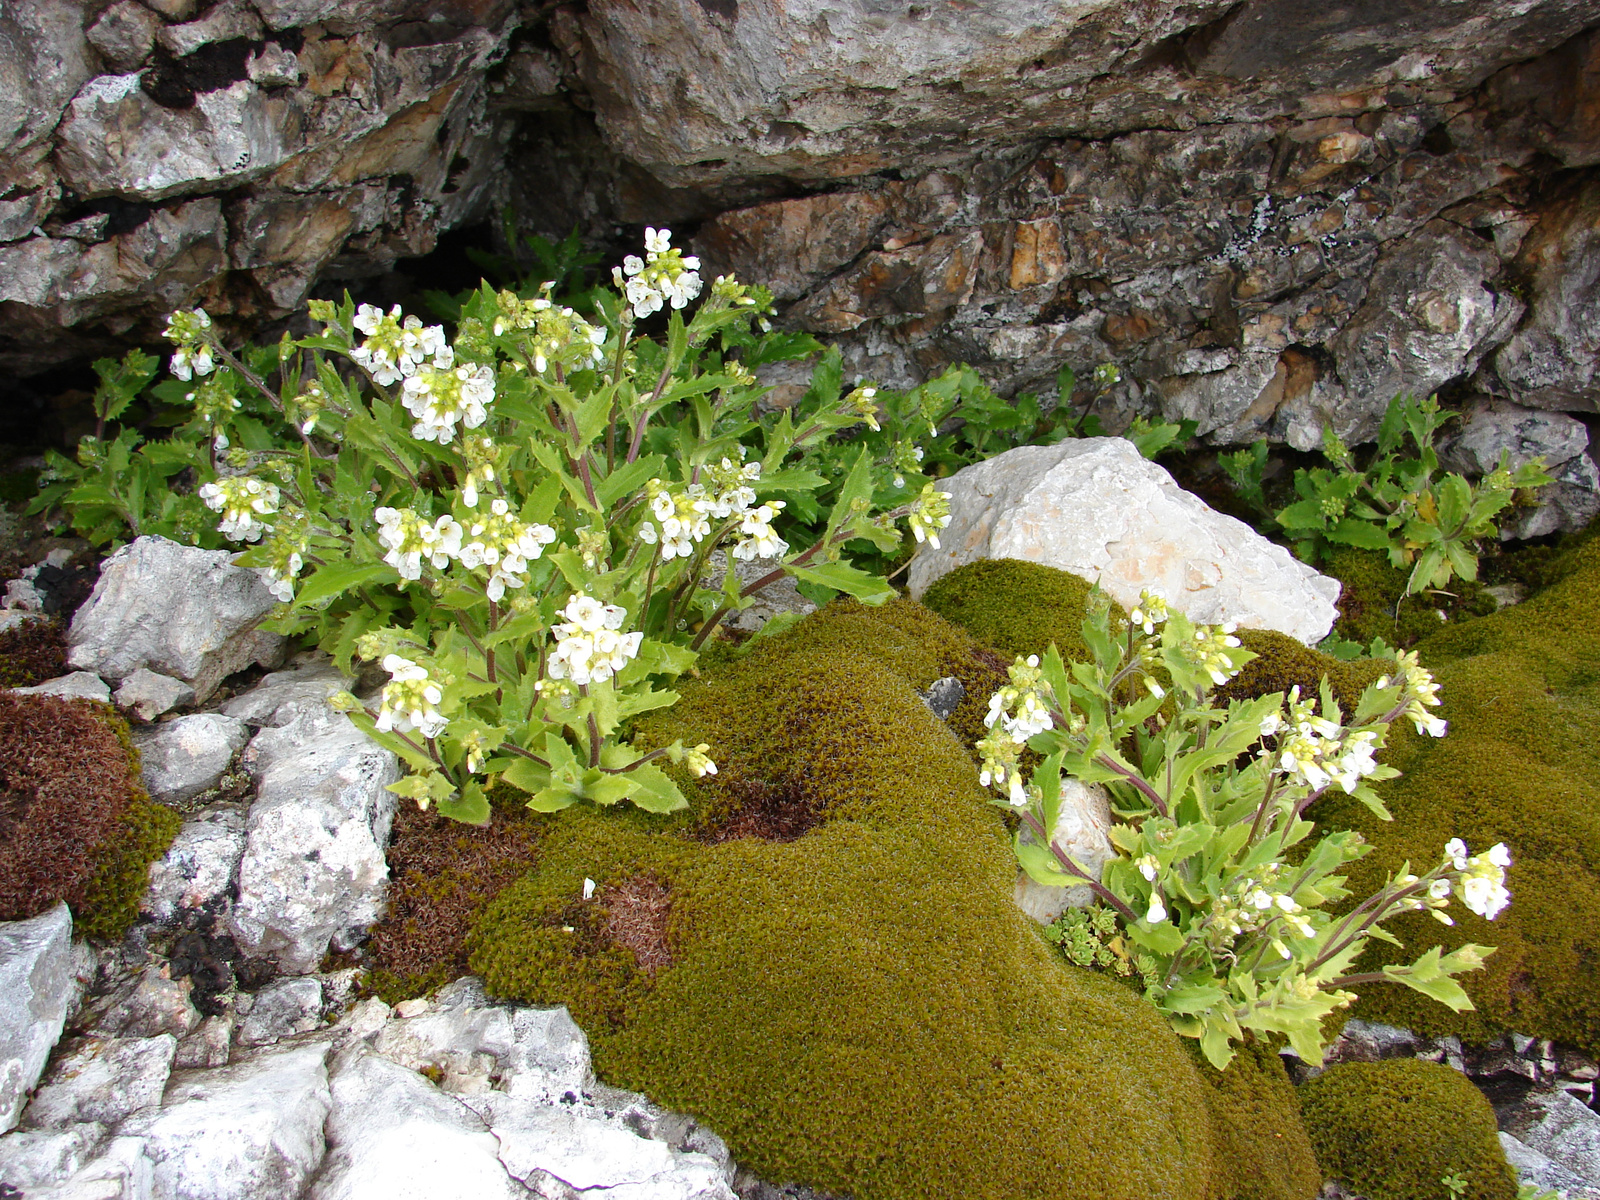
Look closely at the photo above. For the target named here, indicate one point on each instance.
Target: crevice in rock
(174, 82)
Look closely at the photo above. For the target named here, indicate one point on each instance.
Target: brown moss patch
(774, 812)
(80, 827)
(637, 912)
(31, 653)
(441, 875)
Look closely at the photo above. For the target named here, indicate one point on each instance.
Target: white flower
(1158, 910)
(410, 539)
(1148, 866)
(241, 499)
(588, 647)
(1150, 612)
(760, 541)
(410, 700)
(663, 277)
(699, 762)
(506, 545)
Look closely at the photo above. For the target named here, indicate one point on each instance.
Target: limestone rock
(1560, 1127)
(80, 685)
(1082, 830)
(183, 758)
(790, 246)
(283, 1007)
(146, 1006)
(31, 1158)
(313, 870)
(210, 1045)
(103, 1080)
(199, 867)
(122, 1172)
(1546, 1174)
(279, 697)
(240, 1132)
(44, 59)
(392, 1135)
(182, 611)
(149, 694)
(549, 1059)
(461, 1044)
(1490, 427)
(125, 34)
(228, 20)
(38, 984)
(1094, 507)
(779, 597)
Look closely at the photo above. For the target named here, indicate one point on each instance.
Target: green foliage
(1015, 606)
(1522, 695)
(1403, 506)
(1219, 880)
(838, 1006)
(1374, 605)
(1396, 1130)
(531, 263)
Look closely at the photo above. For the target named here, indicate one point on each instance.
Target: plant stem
(1072, 868)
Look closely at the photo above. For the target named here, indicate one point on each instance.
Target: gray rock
(274, 67)
(32, 1158)
(1563, 1129)
(461, 1044)
(125, 35)
(392, 1135)
(123, 1172)
(199, 867)
(1082, 829)
(780, 596)
(80, 685)
(944, 696)
(1094, 507)
(281, 696)
(148, 694)
(38, 984)
(1544, 1173)
(228, 20)
(283, 1007)
(44, 59)
(313, 870)
(549, 1059)
(183, 758)
(210, 1045)
(240, 1132)
(1491, 427)
(146, 1006)
(1370, 1041)
(103, 1080)
(178, 610)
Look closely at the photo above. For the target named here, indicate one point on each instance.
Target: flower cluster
(698, 761)
(286, 548)
(1421, 693)
(506, 545)
(759, 540)
(410, 538)
(1212, 643)
(1252, 904)
(682, 516)
(1017, 712)
(394, 348)
(483, 459)
(663, 276)
(1481, 884)
(906, 456)
(588, 647)
(190, 331)
(560, 336)
(930, 513)
(1150, 612)
(1315, 751)
(410, 699)
(438, 397)
(241, 499)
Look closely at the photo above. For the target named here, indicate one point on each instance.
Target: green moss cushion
(861, 1007)
(1015, 606)
(1521, 765)
(1393, 1130)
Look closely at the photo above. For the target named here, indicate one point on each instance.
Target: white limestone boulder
(104, 1081)
(199, 867)
(38, 984)
(183, 758)
(1096, 508)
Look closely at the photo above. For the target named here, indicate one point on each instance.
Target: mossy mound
(1015, 606)
(1282, 663)
(1394, 1130)
(1521, 765)
(862, 1008)
(31, 653)
(1374, 603)
(75, 821)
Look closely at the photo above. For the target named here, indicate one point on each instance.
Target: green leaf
(1303, 514)
(334, 579)
(470, 806)
(863, 585)
(654, 792)
(1354, 532)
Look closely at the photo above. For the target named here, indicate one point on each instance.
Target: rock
(944, 696)
(173, 10)
(394, 1136)
(460, 1044)
(44, 59)
(1369, 1041)
(274, 67)
(31, 1158)
(199, 867)
(1561, 1128)
(182, 611)
(103, 1080)
(147, 1006)
(38, 984)
(1535, 1169)
(1492, 427)
(283, 1007)
(123, 1172)
(549, 1060)
(313, 870)
(366, 1018)
(1082, 830)
(228, 20)
(778, 597)
(148, 694)
(281, 696)
(1094, 507)
(209, 1045)
(183, 758)
(793, 245)
(240, 1132)
(80, 685)
(125, 34)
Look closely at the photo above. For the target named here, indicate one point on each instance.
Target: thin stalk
(1073, 868)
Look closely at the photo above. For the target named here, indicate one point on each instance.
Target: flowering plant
(518, 523)
(1219, 883)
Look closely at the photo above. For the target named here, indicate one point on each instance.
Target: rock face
(183, 758)
(1083, 830)
(177, 610)
(1094, 507)
(313, 870)
(38, 984)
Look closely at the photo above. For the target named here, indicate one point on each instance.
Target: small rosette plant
(1220, 887)
(518, 522)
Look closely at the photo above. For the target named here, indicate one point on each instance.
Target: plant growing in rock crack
(1220, 883)
(518, 524)
(1424, 520)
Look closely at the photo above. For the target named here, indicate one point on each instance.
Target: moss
(1373, 603)
(862, 1008)
(1521, 690)
(1015, 606)
(31, 653)
(1283, 663)
(1393, 1130)
(1257, 1117)
(75, 821)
